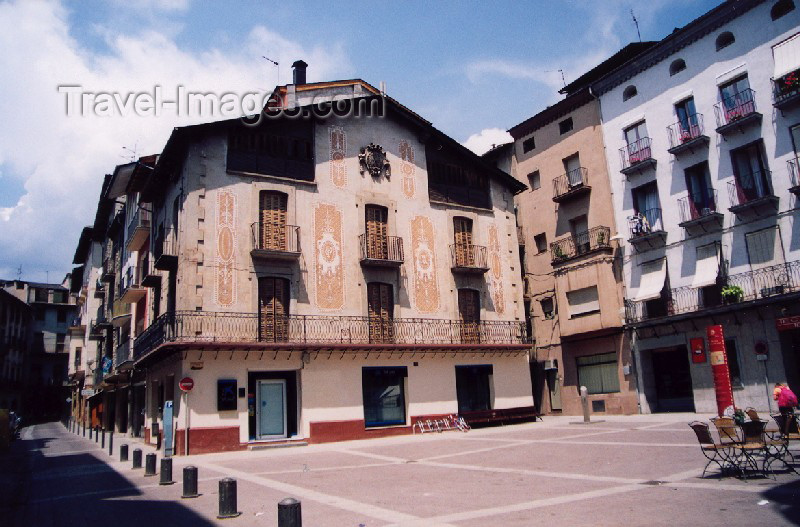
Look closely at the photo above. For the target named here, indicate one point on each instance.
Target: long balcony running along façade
(573, 184)
(381, 251)
(636, 157)
(138, 229)
(468, 259)
(687, 135)
(751, 193)
(274, 241)
(251, 331)
(737, 112)
(700, 211)
(786, 91)
(582, 243)
(647, 229)
(754, 287)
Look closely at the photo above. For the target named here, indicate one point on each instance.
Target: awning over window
(583, 301)
(787, 56)
(706, 268)
(652, 282)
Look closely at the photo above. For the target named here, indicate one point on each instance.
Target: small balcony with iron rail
(687, 136)
(120, 313)
(647, 229)
(636, 157)
(149, 274)
(274, 241)
(700, 212)
(123, 359)
(594, 240)
(380, 251)
(165, 250)
(752, 193)
(138, 229)
(793, 167)
(109, 270)
(786, 91)
(132, 290)
(737, 112)
(571, 185)
(468, 259)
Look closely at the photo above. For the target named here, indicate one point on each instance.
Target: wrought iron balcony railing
(381, 250)
(122, 354)
(275, 239)
(643, 223)
(794, 175)
(138, 228)
(761, 283)
(698, 207)
(786, 90)
(165, 250)
(206, 326)
(581, 243)
(747, 189)
(464, 256)
(685, 132)
(635, 154)
(735, 108)
(570, 183)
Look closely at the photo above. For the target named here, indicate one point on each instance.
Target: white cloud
(483, 141)
(62, 159)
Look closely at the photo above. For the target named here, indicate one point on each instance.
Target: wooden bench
(502, 415)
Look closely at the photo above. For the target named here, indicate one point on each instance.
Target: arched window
(781, 8)
(724, 40)
(677, 66)
(629, 92)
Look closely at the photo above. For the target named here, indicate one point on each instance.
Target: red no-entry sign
(186, 384)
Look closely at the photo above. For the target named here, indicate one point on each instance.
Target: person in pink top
(786, 398)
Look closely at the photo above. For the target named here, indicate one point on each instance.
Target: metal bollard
(103, 441)
(150, 464)
(84, 429)
(289, 513)
(96, 434)
(111, 443)
(123, 452)
(137, 458)
(227, 498)
(189, 482)
(166, 472)
(585, 403)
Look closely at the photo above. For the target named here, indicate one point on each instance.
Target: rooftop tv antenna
(274, 63)
(131, 152)
(563, 80)
(636, 22)
(19, 273)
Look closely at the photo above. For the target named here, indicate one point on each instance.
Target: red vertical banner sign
(719, 368)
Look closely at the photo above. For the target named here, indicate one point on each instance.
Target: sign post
(719, 368)
(186, 384)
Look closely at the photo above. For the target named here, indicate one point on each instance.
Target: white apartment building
(702, 132)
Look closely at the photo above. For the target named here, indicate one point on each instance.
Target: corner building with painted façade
(328, 277)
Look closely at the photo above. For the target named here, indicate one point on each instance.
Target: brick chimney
(299, 75)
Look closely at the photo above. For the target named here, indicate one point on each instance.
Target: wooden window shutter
(377, 242)
(274, 308)
(470, 313)
(465, 252)
(273, 220)
(380, 300)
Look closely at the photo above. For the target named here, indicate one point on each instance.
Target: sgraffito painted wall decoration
(426, 287)
(407, 169)
(496, 272)
(225, 281)
(329, 274)
(338, 141)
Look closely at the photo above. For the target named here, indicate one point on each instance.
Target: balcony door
(750, 170)
(637, 145)
(469, 311)
(380, 300)
(273, 316)
(735, 96)
(701, 197)
(464, 250)
(687, 116)
(376, 231)
(579, 226)
(273, 220)
(572, 166)
(647, 207)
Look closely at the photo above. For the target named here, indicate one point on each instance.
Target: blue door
(271, 409)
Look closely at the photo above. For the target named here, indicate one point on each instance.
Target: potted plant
(732, 294)
(739, 416)
(601, 238)
(558, 252)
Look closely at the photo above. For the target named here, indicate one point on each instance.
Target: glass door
(271, 409)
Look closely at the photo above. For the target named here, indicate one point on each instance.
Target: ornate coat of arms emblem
(373, 161)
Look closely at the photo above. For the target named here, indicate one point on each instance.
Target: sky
(474, 69)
